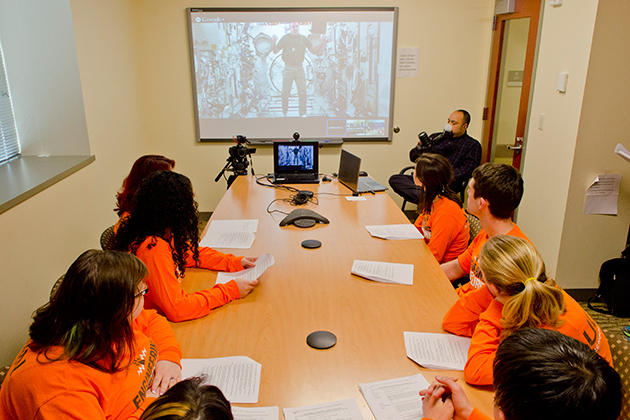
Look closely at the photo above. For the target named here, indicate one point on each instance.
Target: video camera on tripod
(237, 162)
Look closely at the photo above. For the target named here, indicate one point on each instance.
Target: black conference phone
(303, 218)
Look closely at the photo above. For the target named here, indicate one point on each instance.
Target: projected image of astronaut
(293, 46)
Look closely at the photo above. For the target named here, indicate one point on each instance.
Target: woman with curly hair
(442, 220)
(517, 294)
(143, 167)
(163, 231)
(93, 352)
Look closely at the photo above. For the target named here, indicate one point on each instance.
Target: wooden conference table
(312, 289)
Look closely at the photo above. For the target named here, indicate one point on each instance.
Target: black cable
(277, 211)
(272, 185)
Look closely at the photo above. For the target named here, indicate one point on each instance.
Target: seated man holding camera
(454, 143)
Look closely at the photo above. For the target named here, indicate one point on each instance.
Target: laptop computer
(295, 162)
(349, 167)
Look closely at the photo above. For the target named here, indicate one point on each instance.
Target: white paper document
(603, 194)
(622, 151)
(396, 399)
(262, 264)
(394, 232)
(383, 271)
(238, 234)
(238, 377)
(255, 413)
(437, 351)
(408, 62)
(336, 410)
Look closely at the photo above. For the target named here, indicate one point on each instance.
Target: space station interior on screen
(335, 76)
(297, 156)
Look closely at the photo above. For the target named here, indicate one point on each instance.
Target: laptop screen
(296, 157)
(349, 166)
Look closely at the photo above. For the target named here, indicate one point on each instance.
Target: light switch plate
(562, 82)
(555, 2)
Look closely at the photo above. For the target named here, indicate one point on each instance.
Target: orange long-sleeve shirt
(445, 230)
(469, 260)
(165, 292)
(36, 388)
(487, 330)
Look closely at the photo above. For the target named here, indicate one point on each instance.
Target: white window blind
(9, 145)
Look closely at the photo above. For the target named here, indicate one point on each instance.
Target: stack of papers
(395, 399)
(262, 264)
(406, 231)
(384, 272)
(437, 351)
(336, 410)
(255, 413)
(238, 377)
(230, 234)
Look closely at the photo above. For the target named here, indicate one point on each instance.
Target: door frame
(522, 9)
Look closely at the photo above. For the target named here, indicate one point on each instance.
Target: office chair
(474, 226)
(402, 172)
(107, 239)
(56, 286)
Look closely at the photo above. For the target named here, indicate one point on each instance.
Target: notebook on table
(295, 162)
(349, 168)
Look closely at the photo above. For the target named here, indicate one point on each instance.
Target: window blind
(9, 145)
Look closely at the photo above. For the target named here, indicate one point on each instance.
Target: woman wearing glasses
(93, 352)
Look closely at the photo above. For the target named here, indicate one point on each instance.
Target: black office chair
(474, 226)
(55, 287)
(402, 172)
(107, 239)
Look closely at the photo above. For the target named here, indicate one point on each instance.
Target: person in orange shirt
(494, 192)
(163, 231)
(142, 167)
(517, 294)
(93, 352)
(188, 400)
(538, 374)
(442, 220)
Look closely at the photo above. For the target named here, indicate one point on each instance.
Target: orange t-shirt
(486, 330)
(165, 291)
(37, 388)
(469, 260)
(445, 229)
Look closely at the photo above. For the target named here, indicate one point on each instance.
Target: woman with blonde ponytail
(517, 294)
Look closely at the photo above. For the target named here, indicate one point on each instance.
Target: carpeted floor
(606, 322)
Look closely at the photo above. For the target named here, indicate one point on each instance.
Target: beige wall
(44, 234)
(135, 75)
(454, 51)
(597, 238)
(551, 165)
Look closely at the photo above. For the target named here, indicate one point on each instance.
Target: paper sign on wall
(603, 194)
